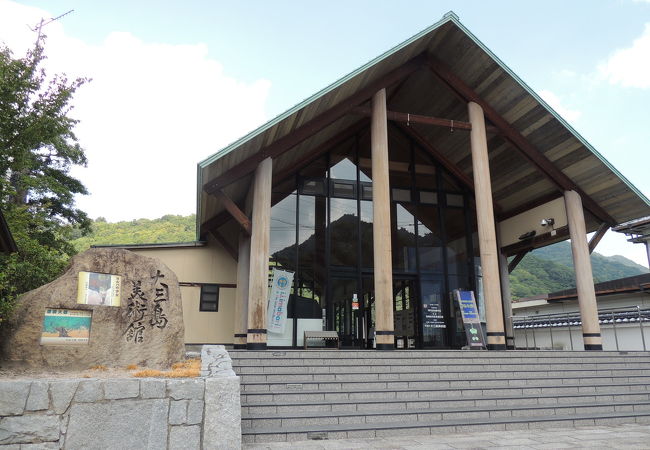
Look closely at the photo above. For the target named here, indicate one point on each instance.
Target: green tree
(37, 150)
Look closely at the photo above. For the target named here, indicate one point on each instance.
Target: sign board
(99, 289)
(66, 326)
(279, 300)
(471, 319)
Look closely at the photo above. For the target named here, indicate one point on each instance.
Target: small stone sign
(136, 319)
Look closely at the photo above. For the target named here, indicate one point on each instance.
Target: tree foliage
(38, 148)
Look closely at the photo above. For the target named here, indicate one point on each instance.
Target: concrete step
(478, 401)
(439, 374)
(379, 429)
(299, 395)
(297, 419)
(280, 368)
(424, 383)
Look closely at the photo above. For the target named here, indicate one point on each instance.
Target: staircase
(327, 394)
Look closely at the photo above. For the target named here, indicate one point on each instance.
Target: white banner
(279, 300)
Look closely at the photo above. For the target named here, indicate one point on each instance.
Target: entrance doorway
(405, 313)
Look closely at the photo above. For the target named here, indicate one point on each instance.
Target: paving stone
(178, 412)
(185, 438)
(13, 397)
(152, 388)
(61, 393)
(40, 446)
(89, 391)
(117, 389)
(29, 428)
(195, 412)
(186, 389)
(39, 398)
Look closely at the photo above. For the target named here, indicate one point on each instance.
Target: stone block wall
(151, 413)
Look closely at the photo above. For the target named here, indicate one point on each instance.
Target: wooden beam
(224, 243)
(416, 118)
(562, 181)
(516, 260)
(383, 275)
(595, 239)
(237, 214)
(436, 154)
(487, 240)
(313, 126)
(583, 273)
(258, 278)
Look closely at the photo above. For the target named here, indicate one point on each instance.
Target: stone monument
(111, 307)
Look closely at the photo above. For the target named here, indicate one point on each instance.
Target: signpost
(471, 319)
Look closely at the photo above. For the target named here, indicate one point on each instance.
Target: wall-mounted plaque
(99, 289)
(66, 326)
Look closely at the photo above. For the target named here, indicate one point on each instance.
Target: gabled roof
(516, 181)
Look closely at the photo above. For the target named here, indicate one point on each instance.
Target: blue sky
(176, 81)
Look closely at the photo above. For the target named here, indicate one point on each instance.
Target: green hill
(168, 228)
(550, 269)
(542, 271)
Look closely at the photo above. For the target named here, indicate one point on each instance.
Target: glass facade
(321, 229)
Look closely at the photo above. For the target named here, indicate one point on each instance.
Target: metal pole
(638, 310)
(568, 321)
(615, 334)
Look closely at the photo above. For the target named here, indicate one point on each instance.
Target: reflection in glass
(343, 232)
(345, 169)
(282, 244)
(457, 258)
(429, 240)
(367, 253)
(403, 237)
(432, 313)
(311, 257)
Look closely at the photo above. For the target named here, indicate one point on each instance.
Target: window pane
(429, 239)
(343, 232)
(401, 195)
(367, 253)
(455, 200)
(283, 234)
(457, 257)
(403, 237)
(346, 190)
(208, 306)
(311, 258)
(430, 198)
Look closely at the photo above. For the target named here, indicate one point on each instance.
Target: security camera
(547, 222)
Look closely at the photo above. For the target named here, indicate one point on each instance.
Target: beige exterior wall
(510, 229)
(209, 264)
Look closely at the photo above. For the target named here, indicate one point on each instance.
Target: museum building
(431, 168)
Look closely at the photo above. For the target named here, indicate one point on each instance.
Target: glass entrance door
(348, 312)
(405, 307)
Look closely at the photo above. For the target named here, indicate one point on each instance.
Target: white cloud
(554, 102)
(152, 111)
(630, 67)
(616, 244)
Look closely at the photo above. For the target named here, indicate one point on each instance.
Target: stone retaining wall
(152, 413)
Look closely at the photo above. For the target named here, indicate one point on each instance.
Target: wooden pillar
(507, 301)
(259, 256)
(584, 277)
(496, 337)
(241, 295)
(384, 325)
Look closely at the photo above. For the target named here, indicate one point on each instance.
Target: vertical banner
(471, 319)
(279, 300)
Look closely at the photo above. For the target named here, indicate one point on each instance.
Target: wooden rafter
(529, 205)
(236, 213)
(224, 243)
(562, 181)
(313, 126)
(516, 260)
(595, 239)
(539, 240)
